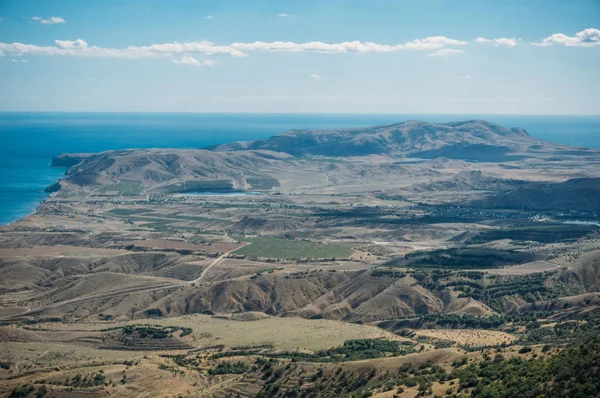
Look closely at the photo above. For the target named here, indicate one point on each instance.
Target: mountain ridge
(398, 139)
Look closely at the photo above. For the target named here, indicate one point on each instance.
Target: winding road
(214, 263)
(128, 290)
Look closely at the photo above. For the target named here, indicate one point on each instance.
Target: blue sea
(30, 140)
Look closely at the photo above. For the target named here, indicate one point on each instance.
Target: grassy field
(124, 187)
(475, 337)
(281, 333)
(290, 249)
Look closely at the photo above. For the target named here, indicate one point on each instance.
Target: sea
(29, 140)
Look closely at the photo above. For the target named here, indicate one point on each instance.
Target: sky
(350, 56)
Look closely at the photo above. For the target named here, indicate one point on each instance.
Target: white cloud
(465, 77)
(283, 14)
(428, 43)
(499, 42)
(445, 51)
(49, 21)
(19, 60)
(209, 17)
(71, 44)
(80, 47)
(586, 38)
(194, 62)
(315, 76)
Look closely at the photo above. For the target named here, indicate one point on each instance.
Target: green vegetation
(387, 273)
(290, 249)
(351, 350)
(378, 216)
(547, 233)
(463, 258)
(463, 321)
(567, 331)
(129, 212)
(496, 291)
(83, 381)
(199, 186)
(574, 372)
(22, 391)
(531, 288)
(154, 312)
(151, 331)
(124, 187)
(229, 368)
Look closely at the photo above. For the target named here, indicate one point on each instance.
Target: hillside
(306, 159)
(471, 140)
(579, 194)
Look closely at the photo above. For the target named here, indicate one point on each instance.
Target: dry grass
(10, 311)
(181, 245)
(52, 251)
(283, 333)
(468, 337)
(524, 269)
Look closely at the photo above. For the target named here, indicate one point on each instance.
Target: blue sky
(370, 56)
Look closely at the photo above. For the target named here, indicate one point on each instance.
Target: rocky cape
(397, 156)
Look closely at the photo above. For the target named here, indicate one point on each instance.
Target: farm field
(182, 245)
(528, 268)
(257, 329)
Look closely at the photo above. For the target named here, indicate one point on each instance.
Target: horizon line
(299, 113)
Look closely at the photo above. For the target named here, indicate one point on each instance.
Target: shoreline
(29, 213)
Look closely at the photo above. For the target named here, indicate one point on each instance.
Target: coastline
(24, 214)
(25, 168)
(28, 208)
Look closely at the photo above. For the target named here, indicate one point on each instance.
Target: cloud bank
(586, 38)
(445, 51)
(436, 46)
(48, 21)
(500, 42)
(81, 48)
(194, 62)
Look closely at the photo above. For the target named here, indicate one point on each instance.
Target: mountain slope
(578, 194)
(412, 138)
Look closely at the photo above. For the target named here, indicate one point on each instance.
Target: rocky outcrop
(69, 160)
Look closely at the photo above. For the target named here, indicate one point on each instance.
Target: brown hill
(471, 140)
(579, 194)
(288, 160)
